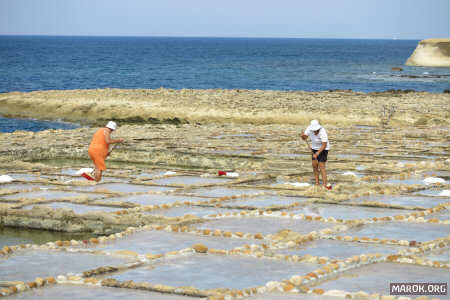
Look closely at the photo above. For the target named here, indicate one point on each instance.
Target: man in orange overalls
(99, 148)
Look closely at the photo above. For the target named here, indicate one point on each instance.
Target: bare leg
(323, 172)
(315, 166)
(98, 174)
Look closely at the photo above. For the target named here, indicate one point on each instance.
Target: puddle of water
(14, 236)
(189, 180)
(224, 191)
(268, 200)
(86, 292)
(159, 242)
(339, 249)
(213, 271)
(29, 264)
(375, 278)
(123, 188)
(414, 201)
(347, 156)
(401, 231)
(153, 199)
(49, 195)
(347, 212)
(77, 208)
(264, 225)
(192, 210)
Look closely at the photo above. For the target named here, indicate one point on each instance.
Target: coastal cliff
(431, 53)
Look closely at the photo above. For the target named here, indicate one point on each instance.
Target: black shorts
(322, 156)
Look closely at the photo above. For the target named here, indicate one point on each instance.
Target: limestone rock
(431, 53)
(200, 248)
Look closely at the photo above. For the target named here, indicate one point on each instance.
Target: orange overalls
(98, 149)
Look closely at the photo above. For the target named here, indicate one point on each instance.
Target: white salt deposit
(169, 173)
(298, 184)
(349, 173)
(6, 178)
(85, 170)
(445, 193)
(433, 180)
(232, 174)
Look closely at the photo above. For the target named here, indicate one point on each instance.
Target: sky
(402, 19)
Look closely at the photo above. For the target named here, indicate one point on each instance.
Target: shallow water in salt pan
(412, 201)
(375, 278)
(443, 215)
(401, 231)
(346, 212)
(159, 242)
(28, 264)
(267, 200)
(50, 195)
(224, 191)
(124, 188)
(442, 255)
(339, 249)
(155, 199)
(188, 180)
(86, 292)
(77, 208)
(292, 296)
(264, 225)
(199, 211)
(213, 271)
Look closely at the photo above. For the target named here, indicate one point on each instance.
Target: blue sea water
(13, 124)
(44, 63)
(30, 63)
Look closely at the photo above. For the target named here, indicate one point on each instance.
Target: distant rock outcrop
(431, 53)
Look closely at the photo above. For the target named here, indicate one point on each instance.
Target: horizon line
(224, 37)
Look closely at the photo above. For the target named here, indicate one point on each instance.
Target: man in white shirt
(319, 148)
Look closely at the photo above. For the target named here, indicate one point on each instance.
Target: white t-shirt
(317, 140)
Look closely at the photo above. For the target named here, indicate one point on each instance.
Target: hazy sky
(403, 19)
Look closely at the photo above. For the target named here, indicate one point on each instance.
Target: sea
(29, 63)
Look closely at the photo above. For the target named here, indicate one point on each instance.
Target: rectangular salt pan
(401, 231)
(86, 292)
(29, 264)
(213, 271)
(375, 278)
(77, 208)
(347, 212)
(189, 180)
(123, 188)
(199, 211)
(160, 242)
(264, 225)
(338, 249)
(50, 195)
(267, 200)
(412, 201)
(224, 191)
(155, 199)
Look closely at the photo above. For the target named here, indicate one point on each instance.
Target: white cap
(111, 125)
(314, 125)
